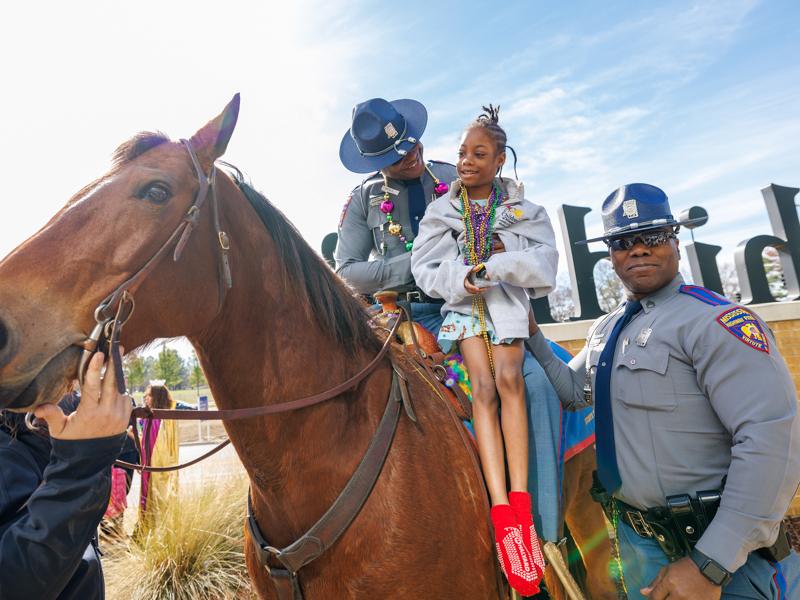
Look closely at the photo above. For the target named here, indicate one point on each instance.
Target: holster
(678, 526)
(692, 517)
(599, 494)
(782, 547)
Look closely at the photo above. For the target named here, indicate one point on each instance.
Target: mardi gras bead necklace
(478, 228)
(387, 206)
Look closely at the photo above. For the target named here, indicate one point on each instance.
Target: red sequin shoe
(523, 575)
(521, 504)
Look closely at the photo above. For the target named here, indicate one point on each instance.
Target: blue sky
(699, 98)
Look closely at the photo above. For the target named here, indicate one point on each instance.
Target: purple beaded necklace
(478, 226)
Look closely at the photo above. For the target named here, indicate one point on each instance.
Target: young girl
(486, 251)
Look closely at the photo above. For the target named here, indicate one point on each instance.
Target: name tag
(392, 191)
(644, 334)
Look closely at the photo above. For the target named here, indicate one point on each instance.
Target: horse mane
(325, 298)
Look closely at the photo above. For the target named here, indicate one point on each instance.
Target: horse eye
(156, 194)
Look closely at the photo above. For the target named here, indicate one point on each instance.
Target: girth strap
(349, 503)
(286, 584)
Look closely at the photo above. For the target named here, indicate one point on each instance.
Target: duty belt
(418, 296)
(678, 526)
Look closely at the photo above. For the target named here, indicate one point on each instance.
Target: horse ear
(212, 139)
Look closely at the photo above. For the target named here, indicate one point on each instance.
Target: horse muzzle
(42, 380)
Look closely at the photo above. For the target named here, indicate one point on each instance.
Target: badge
(393, 191)
(644, 334)
(629, 209)
(344, 210)
(391, 132)
(595, 341)
(741, 323)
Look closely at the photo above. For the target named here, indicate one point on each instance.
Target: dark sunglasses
(649, 239)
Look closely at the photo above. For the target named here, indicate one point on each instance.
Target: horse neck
(264, 349)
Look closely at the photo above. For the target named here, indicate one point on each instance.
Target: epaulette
(705, 295)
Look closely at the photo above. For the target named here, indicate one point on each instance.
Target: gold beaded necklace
(472, 248)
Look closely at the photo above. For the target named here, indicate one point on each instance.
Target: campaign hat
(634, 208)
(381, 133)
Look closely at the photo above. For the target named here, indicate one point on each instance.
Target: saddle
(421, 346)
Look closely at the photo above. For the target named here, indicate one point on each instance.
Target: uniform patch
(344, 210)
(705, 295)
(741, 323)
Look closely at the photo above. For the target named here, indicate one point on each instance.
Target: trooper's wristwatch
(710, 569)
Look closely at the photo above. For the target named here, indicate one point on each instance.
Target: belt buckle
(638, 522)
(410, 296)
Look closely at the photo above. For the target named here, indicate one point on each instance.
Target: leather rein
(116, 309)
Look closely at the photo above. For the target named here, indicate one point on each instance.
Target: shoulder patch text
(741, 323)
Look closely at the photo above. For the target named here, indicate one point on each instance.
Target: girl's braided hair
(488, 121)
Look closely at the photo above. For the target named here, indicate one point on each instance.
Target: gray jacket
(363, 227)
(527, 269)
(692, 404)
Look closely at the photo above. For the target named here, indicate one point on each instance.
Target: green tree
(134, 368)
(168, 367)
(196, 376)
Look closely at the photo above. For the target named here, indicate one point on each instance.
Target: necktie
(604, 421)
(416, 203)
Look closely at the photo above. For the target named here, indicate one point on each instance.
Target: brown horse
(586, 523)
(287, 328)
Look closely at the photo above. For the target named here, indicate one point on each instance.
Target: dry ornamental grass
(195, 553)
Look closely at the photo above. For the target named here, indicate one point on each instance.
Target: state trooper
(375, 238)
(697, 429)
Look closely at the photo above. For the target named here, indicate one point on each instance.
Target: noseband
(115, 310)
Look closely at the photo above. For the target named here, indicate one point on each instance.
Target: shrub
(195, 553)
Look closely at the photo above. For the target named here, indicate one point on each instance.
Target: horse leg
(586, 522)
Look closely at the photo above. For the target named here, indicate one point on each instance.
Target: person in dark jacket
(53, 494)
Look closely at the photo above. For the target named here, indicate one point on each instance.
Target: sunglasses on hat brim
(649, 239)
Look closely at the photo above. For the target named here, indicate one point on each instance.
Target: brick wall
(782, 317)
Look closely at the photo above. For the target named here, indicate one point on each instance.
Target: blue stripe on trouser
(642, 558)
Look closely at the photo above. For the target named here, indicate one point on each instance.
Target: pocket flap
(650, 359)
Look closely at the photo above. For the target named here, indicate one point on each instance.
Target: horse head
(53, 283)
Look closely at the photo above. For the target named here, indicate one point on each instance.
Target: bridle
(116, 309)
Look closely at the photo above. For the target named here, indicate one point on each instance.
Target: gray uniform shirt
(363, 227)
(693, 404)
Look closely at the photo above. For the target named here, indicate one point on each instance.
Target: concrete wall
(782, 317)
